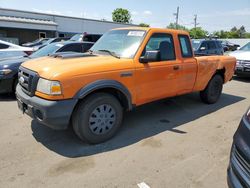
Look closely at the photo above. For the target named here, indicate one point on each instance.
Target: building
(21, 26)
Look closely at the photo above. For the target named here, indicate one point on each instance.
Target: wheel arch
(113, 87)
(221, 72)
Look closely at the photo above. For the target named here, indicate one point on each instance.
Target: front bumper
(6, 85)
(242, 70)
(54, 114)
(238, 174)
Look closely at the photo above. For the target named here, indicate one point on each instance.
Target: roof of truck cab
(156, 29)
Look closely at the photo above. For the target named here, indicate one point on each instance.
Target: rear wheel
(213, 91)
(97, 118)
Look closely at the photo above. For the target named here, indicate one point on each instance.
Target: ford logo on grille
(21, 80)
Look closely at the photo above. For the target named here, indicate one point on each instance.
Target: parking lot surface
(177, 142)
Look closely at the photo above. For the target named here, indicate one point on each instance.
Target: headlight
(49, 87)
(5, 71)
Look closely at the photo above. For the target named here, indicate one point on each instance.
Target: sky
(212, 15)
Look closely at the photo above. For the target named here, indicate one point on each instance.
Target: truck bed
(207, 65)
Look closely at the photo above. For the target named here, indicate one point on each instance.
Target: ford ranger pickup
(126, 68)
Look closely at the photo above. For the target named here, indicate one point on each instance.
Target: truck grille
(244, 63)
(28, 80)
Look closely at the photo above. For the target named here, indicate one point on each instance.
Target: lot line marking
(143, 185)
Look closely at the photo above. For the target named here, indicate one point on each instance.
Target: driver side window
(162, 44)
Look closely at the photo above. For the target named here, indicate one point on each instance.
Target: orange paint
(151, 81)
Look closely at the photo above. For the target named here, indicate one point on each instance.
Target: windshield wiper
(111, 53)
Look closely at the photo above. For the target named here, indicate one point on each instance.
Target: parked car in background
(8, 50)
(205, 47)
(243, 60)
(225, 47)
(86, 37)
(52, 40)
(9, 68)
(239, 165)
(229, 45)
(36, 42)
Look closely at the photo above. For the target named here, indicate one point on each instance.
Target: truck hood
(54, 67)
(241, 55)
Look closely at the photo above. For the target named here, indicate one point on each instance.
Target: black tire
(213, 91)
(86, 116)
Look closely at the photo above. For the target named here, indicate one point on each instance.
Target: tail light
(28, 52)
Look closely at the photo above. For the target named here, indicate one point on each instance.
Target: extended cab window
(163, 44)
(186, 49)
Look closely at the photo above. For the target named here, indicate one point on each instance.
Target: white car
(9, 50)
(243, 60)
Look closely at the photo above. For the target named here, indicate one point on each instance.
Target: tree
(198, 33)
(242, 32)
(144, 25)
(180, 27)
(234, 29)
(121, 15)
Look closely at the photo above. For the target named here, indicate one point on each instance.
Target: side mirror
(203, 48)
(150, 56)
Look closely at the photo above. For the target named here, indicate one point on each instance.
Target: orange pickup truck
(126, 68)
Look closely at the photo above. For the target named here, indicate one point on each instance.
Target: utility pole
(177, 17)
(195, 21)
(195, 24)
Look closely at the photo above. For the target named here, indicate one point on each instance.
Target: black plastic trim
(103, 84)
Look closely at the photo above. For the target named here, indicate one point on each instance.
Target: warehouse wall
(67, 24)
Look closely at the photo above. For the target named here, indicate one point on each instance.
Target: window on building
(42, 34)
(62, 35)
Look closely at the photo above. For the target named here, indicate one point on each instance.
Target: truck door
(157, 79)
(188, 66)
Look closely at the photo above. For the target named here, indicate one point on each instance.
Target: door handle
(176, 67)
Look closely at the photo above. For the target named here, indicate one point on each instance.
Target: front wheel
(213, 91)
(97, 118)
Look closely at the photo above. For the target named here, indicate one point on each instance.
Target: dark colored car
(86, 37)
(36, 42)
(207, 47)
(229, 45)
(239, 166)
(6, 55)
(9, 68)
(52, 40)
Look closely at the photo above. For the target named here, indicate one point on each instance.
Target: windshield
(246, 47)
(47, 50)
(122, 43)
(77, 37)
(196, 44)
